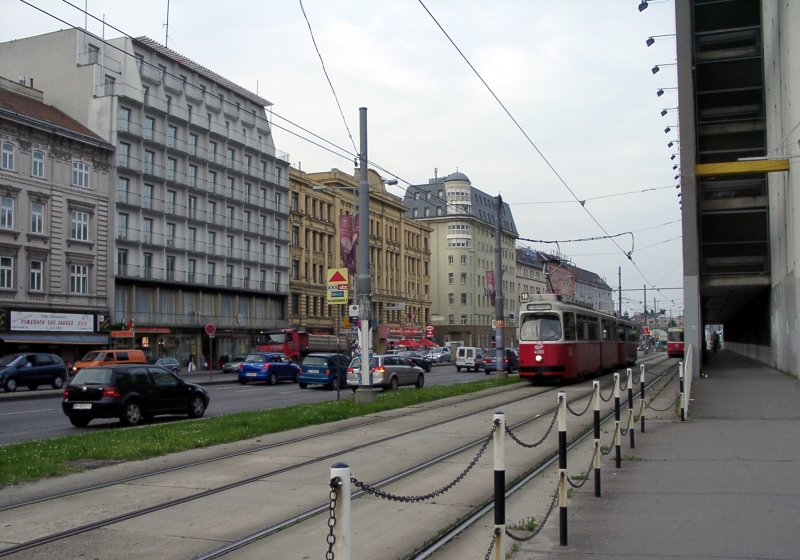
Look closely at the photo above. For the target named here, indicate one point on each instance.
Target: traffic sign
(338, 286)
(429, 330)
(497, 323)
(210, 329)
(646, 331)
(352, 312)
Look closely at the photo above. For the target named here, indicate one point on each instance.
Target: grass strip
(33, 460)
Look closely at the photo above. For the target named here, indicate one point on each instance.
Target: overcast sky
(575, 74)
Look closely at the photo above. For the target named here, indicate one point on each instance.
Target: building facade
(55, 278)
(201, 195)
(462, 220)
(400, 257)
(592, 290)
(530, 272)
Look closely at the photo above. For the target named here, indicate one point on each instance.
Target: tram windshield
(541, 327)
(675, 336)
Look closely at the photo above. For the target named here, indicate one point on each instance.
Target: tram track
(264, 475)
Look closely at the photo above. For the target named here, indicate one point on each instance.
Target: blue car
(267, 366)
(320, 369)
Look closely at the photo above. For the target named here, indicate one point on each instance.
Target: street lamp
(655, 69)
(652, 38)
(660, 91)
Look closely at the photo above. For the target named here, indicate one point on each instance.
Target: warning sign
(338, 286)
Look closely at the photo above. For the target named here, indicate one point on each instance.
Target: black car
(417, 358)
(32, 370)
(133, 393)
(511, 362)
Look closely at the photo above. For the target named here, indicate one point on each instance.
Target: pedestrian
(715, 342)
(190, 362)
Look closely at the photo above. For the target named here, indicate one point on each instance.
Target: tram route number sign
(524, 296)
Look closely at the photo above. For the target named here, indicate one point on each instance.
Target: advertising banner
(492, 289)
(348, 241)
(62, 322)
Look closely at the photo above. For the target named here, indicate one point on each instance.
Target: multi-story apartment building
(55, 278)
(530, 272)
(463, 239)
(400, 256)
(201, 198)
(591, 289)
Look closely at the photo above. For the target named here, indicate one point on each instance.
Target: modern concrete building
(463, 239)
(201, 194)
(55, 228)
(739, 102)
(400, 256)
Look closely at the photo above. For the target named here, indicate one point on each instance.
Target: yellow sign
(338, 286)
(497, 323)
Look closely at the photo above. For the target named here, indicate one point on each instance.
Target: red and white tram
(568, 340)
(675, 342)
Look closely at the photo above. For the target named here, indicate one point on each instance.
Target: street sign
(121, 334)
(429, 330)
(352, 312)
(646, 331)
(210, 329)
(497, 323)
(338, 286)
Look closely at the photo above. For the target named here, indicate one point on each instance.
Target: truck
(295, 344)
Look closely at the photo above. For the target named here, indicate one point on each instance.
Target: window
(191, 271)
(78, 279)
(463, 319)
(262, 280)
(211, 271)
(263, 198)
(231, 157)
(192, 144)
(147, 230)
(6, 213)
(451, 298)
(463, 299)
(463, 259)
(262, 224)
(229, 246)
(229, 216)
(122, 262)
(191, 239)
(212, 150)
(147, 266)
(172, 163)
(295, 270)
(212, 242)
(449, 277)
(246, 192)
(263, 173)
(277, 281)
(37, 217)
(192, 208)
(463, 277)
(149, 158)
(278, 175)
(149, 127)
(170, 234)
(147, 196)
(451, 320)
(230, 187)
(212, 181)
(192, 177)
(247, 249)
(8, 156)
(296, 236)
(171, 269)
(169, 103)
(229, 275)
(172, 197)
(246, 279)
(246, 225)
(277, 230)
(248, 162)
(172, 134)
(79, 226)
(80, 174)
(37, 168)
(123, 189)
(450, 259)
(278, 256)
(122, 226)
(37, 268)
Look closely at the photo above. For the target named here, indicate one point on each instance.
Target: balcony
(193, 93)
(129, 127)
(235, 136)
(179, 113)
(150, 73)
(283, 156)
(152, 170)
(173, 84)
(127, 234)
(155, 103)
(127, 163)
(230, 110)
(247, 119)
(252, 141)
(218, 129)
(198, 121)
(212, 103)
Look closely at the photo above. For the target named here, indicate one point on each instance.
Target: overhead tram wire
(585, 200)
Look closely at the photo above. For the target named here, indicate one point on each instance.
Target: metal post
(500, 485)
(562, 467)
(499, 307)
(616, 421)
(596, 390)
(641, 397)
(619, 273)
(342, 547)
(630, 407)
(365, 392)
(338, 346)
(683, 395)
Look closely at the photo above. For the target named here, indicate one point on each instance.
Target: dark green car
(32, 370)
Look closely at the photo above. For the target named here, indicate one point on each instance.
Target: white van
(469, 357)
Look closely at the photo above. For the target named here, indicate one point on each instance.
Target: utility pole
(619, 273)
(365, 392)
(499, 312)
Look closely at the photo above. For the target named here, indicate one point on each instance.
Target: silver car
(388, 372)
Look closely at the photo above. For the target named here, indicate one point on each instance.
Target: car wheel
(79, 421)
(243, 381)
(58, 382)
(458, 368)
(355, 389)
(131, 414)
(295, 377)
(272, 379)
(10, 385)
(420, 381)
(428, 369)
(32, 387)
(335, 384)
(302, 385)
(393, 384)
(176, 370)
(197, 406)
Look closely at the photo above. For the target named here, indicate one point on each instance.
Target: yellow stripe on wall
(741, 167)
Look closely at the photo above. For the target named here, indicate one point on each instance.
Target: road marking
(27, 411)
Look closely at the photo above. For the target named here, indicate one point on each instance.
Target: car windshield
(10, 360)
(490, 354)
(92, 356)
(356, 363)
(540, 327)
(93, 376)
(256, 358)
(238, 359)
(315, 361)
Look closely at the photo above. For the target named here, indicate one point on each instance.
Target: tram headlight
(538, 357)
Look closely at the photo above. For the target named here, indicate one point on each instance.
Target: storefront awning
(53, 338)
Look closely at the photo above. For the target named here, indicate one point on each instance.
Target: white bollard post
(596, 389)
(342, 545)
(630, 408)
(683, 394)
(500, 486)
(562, 468)
(616, 422)
(641, 397)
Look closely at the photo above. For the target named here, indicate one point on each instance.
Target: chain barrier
(664, 410)
(585, 475)
(538, 530)
(611, 394)
(336, 482)
(625, 388)
(538, 443)
(411, 499)
(495, 536)
(588, 404)
(610, 446)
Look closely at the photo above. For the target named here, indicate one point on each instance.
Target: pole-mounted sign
(338, 286)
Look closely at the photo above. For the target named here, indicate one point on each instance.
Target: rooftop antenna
(86, 15)
(435, 172)
(166, 25)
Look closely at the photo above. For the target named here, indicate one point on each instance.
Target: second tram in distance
(562, 339)
(675, 342)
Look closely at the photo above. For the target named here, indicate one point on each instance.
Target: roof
(456, 177)
(530, 257)
(587, 277)
(202, 70)
(45, 114)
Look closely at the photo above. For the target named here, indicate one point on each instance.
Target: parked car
(233, 365)
(325, 369)
(388, 372)
(134, 394)
(268, 366)
(439, 354)
(109, 358)
(32, 370)
(469, 357)
(490, 361)
(169, 363)
(417, 358)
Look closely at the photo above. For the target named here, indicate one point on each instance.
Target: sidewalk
(723, 485)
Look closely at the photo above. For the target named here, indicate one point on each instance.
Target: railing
(150, 73)
(173, 84)
(212, 103)
(198, 120)
(178, 112)
(218, 129)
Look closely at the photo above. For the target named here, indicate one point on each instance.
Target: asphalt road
(22, 420)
